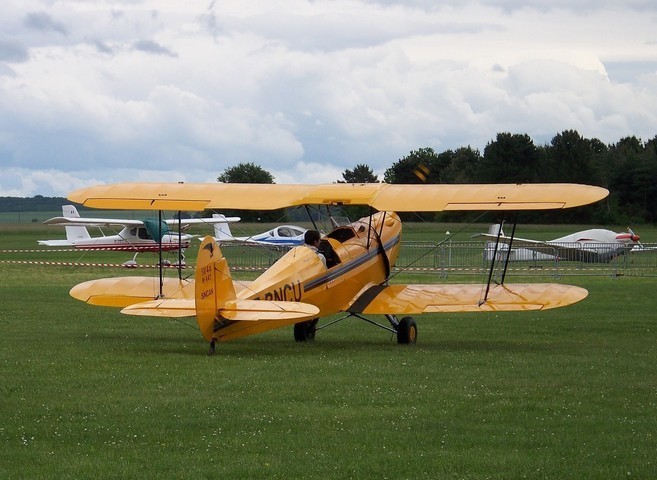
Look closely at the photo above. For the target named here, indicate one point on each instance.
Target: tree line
(628, 169)
(38, 203)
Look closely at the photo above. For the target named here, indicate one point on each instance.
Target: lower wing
(124, 291)
(418, 298)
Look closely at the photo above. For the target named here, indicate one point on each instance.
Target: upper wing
(92, 222)
(416, 298)
(381, 196)
(202, 221)
(101, 222)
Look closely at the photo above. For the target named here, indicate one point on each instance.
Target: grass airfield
(88, 392)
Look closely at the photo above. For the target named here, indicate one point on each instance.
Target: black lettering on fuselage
(289, 292)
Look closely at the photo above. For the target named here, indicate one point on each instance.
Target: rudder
(222, 230)
(213, 286)
(74, 232)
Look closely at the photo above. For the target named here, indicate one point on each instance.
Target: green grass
(87, 392)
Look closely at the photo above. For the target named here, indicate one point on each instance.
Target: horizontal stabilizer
(55, 243)
(253, 310)
(446, 298)
(238, 310)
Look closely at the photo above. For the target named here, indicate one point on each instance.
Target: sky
(101, 91)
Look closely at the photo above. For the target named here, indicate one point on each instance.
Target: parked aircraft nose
(630, 236)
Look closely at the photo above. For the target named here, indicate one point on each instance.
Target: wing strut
(180, 255)
(310, 216)
(506, 259)
(159, 243)
(379, 246)
(508, 251)
(369, 229)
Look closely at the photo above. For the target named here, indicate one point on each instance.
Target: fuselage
(599, 235)
(594, 245)
(365, 252)
(134, 239)
(286, 235)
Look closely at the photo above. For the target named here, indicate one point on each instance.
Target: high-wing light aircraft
(298, 289)
(283, 235)
(135, 235)
(595, 245)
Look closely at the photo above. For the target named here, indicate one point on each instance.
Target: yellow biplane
(299, 288)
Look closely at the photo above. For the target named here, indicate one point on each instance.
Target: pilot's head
(311, 237)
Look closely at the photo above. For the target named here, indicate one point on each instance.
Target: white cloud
(306, 89)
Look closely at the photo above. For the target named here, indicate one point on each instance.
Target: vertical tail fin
(74, 232)
(221, 229)
(495, 228)
(214, 286)
(490, 248)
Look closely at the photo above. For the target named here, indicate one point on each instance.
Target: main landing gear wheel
(407, 331)
(305, 331)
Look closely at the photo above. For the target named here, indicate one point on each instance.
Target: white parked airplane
(595, 245)
(283, 235)
(135, 235)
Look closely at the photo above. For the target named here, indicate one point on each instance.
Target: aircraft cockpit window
(285, 232)
(143, 234)
(133, 231)
(342, 234)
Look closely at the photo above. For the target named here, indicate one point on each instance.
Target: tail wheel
(305, 331)
(407, 331)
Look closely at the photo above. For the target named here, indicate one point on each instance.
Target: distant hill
(37, 203)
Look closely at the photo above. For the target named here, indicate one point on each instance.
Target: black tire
(305, 331)
(407, 331)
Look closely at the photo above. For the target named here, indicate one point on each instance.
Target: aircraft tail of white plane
(221, 229)
(74, 232)
(495, 228)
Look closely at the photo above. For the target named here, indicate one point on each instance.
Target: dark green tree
(246, 173)
(510, 158)
(360, 174)
(570, 159)
(416, 167)
(462, 167)
(250, 173)
(632, 174)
